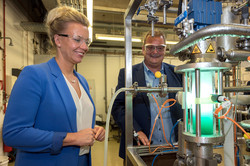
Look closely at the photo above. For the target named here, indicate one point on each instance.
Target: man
(144, 107)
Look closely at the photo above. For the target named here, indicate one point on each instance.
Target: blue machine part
(180, 18)
(204, 13)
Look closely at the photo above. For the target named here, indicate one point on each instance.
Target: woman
(50, 118)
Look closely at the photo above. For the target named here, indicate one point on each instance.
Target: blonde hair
(157, 33)
(58, 17)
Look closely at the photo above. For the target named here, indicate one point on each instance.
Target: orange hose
(235, 124)
(224, 116)
(159, 113)
(239, 127)
(235, 140)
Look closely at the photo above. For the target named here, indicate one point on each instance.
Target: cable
(170, 138)
(159, 113)
(172, 150)
(225, 117)
(238, 157)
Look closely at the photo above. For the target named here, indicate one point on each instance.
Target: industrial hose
(108, 120)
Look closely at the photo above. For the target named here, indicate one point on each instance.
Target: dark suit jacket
(141, 108)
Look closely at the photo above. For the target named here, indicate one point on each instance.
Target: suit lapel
(139, 76)
(64, 93)
(170, 78)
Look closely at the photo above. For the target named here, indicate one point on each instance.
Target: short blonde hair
(157, 33)
(58, 17)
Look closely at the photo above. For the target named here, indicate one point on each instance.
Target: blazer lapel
(139, 76)
(64, 93)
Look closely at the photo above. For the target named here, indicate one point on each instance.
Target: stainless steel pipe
(211, 31)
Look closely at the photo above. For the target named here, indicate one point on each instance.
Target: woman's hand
(100, 133)
(85, 137)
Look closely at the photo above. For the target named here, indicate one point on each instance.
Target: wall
(17, 56)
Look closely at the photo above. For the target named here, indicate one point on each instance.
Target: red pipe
(4, 60)
(5, 148)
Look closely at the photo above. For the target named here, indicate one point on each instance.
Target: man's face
(154, 51)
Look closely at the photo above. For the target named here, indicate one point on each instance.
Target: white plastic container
(4, 160)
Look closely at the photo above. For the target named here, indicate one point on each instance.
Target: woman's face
(73, 42)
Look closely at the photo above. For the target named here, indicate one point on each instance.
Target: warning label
(210, 49)
(196, 50)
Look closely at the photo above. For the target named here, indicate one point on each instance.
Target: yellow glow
(114, 37)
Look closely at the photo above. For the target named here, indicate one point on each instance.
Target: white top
(84, 111)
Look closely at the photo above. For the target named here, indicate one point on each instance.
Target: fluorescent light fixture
(171, 42)
(114, 37)
(90, 18)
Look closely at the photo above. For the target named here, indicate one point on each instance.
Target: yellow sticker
(196, 50)
(210, 49)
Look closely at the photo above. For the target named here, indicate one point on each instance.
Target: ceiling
(108, 18)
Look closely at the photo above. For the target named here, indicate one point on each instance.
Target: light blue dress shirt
(158, 136)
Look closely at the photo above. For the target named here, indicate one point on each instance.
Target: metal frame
(133, 5)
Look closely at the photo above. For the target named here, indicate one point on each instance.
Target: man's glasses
(151, 48)
(77, 39)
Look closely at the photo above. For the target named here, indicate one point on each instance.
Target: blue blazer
(40, 112)
(141, 108)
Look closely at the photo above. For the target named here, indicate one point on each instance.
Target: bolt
(218, 158)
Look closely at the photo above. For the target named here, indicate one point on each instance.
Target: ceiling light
(171, 42)
(90, 18)
(114, 37)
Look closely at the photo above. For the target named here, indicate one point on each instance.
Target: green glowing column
(207, 87)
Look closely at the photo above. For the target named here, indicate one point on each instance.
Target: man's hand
(143, 138)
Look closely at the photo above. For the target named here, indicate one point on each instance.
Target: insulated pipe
(211, 31)
(152, 27)
(197, 96)
(237, 55)
(220, 92)
(237, 89)
(177, 89)
(164, 14)
(184, 79)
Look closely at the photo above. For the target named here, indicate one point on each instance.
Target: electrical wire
(238, 157)
(172, 150)
(159, 113)
(170, 138)
(225, 117)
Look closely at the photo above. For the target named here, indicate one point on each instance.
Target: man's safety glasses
(151, 48)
